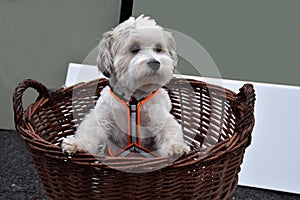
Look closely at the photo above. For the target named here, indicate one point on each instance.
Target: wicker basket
(216, 122)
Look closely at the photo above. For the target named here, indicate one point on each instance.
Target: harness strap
(134, 115)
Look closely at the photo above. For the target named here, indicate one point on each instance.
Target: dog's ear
(172, 48)
(105, 57)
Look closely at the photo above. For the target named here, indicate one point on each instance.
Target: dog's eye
(135, 49)
(158, 49)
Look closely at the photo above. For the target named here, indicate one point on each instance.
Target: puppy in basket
(132, 115)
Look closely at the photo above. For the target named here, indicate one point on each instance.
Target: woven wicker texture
(217, 124)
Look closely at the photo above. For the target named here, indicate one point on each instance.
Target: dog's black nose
(154, 64)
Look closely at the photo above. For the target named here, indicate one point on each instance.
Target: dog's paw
(177, 150)
(70, 145)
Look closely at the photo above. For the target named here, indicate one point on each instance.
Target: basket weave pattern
(217, 124)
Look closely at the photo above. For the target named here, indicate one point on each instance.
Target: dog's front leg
(171, 142)
(89, 136)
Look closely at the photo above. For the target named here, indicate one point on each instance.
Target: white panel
(81, 73)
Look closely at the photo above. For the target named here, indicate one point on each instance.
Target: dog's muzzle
(154, 65)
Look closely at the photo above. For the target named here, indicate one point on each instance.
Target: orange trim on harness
(137, 146)
(128, 114)
(139, 114)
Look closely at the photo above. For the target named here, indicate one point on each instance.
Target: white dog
(133, 113)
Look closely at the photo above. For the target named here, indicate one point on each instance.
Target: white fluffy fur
(130, 73)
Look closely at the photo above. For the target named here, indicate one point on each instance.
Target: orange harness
(134, 132)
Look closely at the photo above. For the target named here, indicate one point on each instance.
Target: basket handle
(18, 95)
(243, 107)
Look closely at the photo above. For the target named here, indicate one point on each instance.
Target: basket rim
(36, 142)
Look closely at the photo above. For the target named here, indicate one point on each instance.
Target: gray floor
(18, 180)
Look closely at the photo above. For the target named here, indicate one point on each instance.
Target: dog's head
(137, 55)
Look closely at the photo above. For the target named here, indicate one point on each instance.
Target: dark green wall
(38, 38)
(255, 40)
